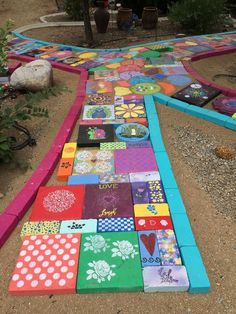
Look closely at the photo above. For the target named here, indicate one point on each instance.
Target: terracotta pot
(101, 17)
(149, 17)
(124, 18)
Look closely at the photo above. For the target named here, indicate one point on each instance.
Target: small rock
(225, 152)
(34, 76)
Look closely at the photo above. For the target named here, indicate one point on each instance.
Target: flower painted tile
(156, 192)
(165, 279)
(108, 201)
(144, 176)
(40, 227)
(135, 160)
(131, 110)
(98, 87)
(93, 161)
(109, 262)
(108, 75)
(151, 210)
(93, 135)
(47, 264)
(58, 203)
(153, 223)
(98, 112)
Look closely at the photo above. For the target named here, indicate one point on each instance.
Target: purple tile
(156, 192)
(140, 193)
(108, 201)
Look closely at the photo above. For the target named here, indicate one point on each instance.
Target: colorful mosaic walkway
(120, 223)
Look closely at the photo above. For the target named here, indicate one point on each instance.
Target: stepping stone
(78, 226)
(165, 279)
(144, 176)
(31, 228)
(98, 87)
(108, 201)
(135, 160)
(47, 264)
(98, 112)
(114, 178)
(116, 224)
(83, 179)
(108, 75)
(151, 210)
(148, 192)
(140, 193)
(153, 223)
(69, 150)
(109, 262)
(93, 161)
(93, 135)
(65, 169)
(99, 99)
(58, 203)
(149, 251)
(197, 94)
(113, 145)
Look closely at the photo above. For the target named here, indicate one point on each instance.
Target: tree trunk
(87, 23)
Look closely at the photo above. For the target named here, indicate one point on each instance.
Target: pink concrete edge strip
(24, 199)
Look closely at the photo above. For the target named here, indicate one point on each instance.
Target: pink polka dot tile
(47, 264)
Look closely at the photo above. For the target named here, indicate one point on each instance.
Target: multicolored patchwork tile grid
(117, 234)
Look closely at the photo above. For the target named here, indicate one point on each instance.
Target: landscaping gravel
(215, 175)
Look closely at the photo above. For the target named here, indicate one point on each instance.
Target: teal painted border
(198, 112)
(197, 274)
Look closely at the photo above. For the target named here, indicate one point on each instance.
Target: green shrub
(74, 8)
(198, 16)
(4, 31)
(24, 109)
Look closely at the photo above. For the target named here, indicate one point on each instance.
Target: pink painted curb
(7, 225)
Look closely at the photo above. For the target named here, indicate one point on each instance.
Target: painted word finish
(108, 213)
(108, 186)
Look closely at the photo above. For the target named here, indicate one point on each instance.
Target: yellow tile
(151, 210)
(69, 150)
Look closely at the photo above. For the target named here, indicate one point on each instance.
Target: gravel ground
(215, 175)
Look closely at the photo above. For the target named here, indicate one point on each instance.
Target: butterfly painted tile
(93, 161)
(108, 201)
(47, 264)
(93, 135)
(98, 112)
(149, 251)
(151, 210)
(40, 227)
(197, 94)
(58, 203)
(135, 160)
(98, 87)
(116, 224)
(78, 226)
(165, 279)
(109, 262)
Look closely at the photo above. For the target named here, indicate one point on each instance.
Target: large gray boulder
(34, 76)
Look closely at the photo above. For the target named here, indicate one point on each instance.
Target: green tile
(109, 263)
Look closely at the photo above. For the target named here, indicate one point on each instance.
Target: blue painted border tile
(175, 201)
(183, 230)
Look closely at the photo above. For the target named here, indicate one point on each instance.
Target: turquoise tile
(197, 274)
(177, 104)
(78, 226)
(183, 230)
(167, 176)
(149, 104)
(161, 98)
(230, 123)
(162, 158)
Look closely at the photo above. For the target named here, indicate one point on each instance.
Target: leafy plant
(4, 32)
(198, 16)
(24, 109)
(74, 8)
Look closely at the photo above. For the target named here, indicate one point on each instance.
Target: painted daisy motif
(100, 271)
(96, 244)
(127, 111)
(124, 249)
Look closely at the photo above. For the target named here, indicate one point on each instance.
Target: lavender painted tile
(140, 193)
(144, 144)
(144, 176)
(165, 279)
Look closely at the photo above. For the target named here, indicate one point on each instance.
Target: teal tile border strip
(197, 274)
(197, 112)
